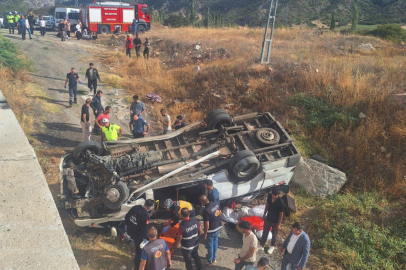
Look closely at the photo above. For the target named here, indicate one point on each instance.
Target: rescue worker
(212, 227)
(17, 18)
(136, 225)
(10, 20)
(110, 131)
(175, 208)
(188, 236)
(156, 254)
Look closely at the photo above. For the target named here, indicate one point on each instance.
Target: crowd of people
(139, 127)
(136, 44)
(153, 253)
(25, 23)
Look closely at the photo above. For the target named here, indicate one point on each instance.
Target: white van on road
(72, 14)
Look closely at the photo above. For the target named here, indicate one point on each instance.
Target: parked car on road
(244, 156)
(50, 22)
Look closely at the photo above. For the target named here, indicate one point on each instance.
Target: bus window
(60, 15)
(73, 16)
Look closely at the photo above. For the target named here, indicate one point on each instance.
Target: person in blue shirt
(23, 26)
(137, 124)
(179, 123)
(262, 264)
(213, 193)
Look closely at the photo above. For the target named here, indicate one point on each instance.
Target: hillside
(254, 12)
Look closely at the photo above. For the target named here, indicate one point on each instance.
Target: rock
(196, 69)
(367, 47)
(362, 115)
(123, 267)
(319, 158)
(317, 70)
(383, 149)
(349, 149)
(317, 178)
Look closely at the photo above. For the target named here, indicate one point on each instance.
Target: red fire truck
(106, 17)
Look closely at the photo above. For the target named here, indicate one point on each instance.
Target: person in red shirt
(104, 115)
(128, 46)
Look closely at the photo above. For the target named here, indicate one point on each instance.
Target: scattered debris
(196, 69)
(349, 149)
(367, 47)
(362, 115)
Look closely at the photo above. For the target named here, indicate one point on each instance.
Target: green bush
(318, 113)
(9, 56)
(391, 32)
(355, 233)
(176, 21)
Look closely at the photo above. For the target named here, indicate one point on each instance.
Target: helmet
(9, 13)
(105, 120)
(168, 203)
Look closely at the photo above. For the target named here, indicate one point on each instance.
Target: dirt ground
(61, 131)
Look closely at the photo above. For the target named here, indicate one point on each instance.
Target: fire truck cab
(107, 17)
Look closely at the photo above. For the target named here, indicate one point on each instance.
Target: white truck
(62, 13)
(243, 155)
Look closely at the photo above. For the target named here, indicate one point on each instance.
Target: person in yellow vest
(10, 21)
(110, 131)
(175, 208)
(17, 18)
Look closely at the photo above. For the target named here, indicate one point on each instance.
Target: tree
(207, 19)
(333, 21)
(355, 19)
(192, 12)
(392, 32)
(175, 20)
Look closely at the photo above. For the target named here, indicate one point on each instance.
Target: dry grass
(329, 67)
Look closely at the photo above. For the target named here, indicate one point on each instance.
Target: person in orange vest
(128, 46)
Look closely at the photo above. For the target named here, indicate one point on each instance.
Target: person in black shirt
(61, 29)
(179, 123)
(137, 45)
(136, 225)
(212, 227)
(84, 121)
(273, 216)
(92, 76)
(188, 236)
(147, 44)
(30, 18)
(73, 79)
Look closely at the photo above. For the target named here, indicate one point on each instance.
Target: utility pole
(76, 3)
(268, 36)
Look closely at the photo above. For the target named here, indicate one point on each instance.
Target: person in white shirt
(42, 25)
(297, 249)
(248, 251)
(166, 121)
(27, 25)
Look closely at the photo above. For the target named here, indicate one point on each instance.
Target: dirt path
(52, 60)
